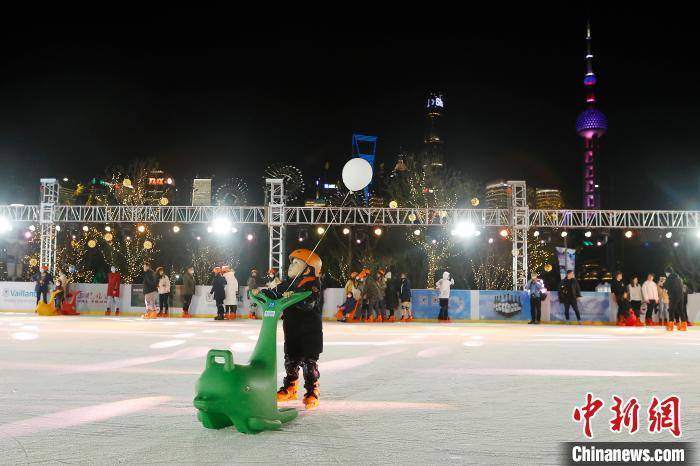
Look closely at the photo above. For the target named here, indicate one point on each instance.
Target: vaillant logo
(10, 293)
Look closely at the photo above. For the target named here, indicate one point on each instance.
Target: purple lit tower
(591, 125)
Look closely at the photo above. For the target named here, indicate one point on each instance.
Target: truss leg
(275, 223)
(47, 228)
(520, 223)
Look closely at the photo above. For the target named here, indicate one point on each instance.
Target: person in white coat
(163, 292)
(650, 295)
(443, 286)
(231, 300)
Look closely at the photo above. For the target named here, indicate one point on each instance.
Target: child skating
(302, 325)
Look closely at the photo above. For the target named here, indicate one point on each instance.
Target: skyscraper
(591, 125)
(433, 143)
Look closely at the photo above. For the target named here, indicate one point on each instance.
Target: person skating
(42, 281)
(381, 303)
(392, 295)
(163, 292)
(534, 289)
(405, 298)
(303, 327)
(650, 295)
(150, 291)
(618, 288)
(625, 313)
(272, 279)
(188, 290)
(635, 293)
(231, 300)
(443, 286)
(114, 280)
(674, 286)
(569, 293)
(218, 290)
(663, 301)
(371, 294)
(253, 286)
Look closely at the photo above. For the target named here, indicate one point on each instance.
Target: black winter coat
(618, 288)
(150, 283)
(674, 286)
(405, 290)
(302, 323)
(392, 293)
(569, 290)
(218, 288)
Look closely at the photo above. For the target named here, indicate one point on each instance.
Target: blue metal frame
(366, 151)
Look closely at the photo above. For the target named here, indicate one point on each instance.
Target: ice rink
(100, 390)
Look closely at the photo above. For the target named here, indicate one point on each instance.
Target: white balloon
(357, 174)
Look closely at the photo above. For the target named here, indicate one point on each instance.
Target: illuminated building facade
(497, 195)
(591, 125)
(548, 199)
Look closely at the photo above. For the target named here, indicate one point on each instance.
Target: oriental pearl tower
(591, 125)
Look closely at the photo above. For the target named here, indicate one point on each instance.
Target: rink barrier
(487, 306)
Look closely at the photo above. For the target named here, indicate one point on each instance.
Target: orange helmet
(309, 257)
(44, 267)
(216, 269)
(272, 271)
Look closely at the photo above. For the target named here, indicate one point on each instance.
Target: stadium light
(378, 231)
(503, 233)
(676, 244)
(221, 226)
(176, 229)
(536, 233)
(346, 231)
(250, 237)
(465, 229)
(588, 234)
(320, 230)
(564, 234)
(628, 234)
(669, 234)
(416, 232)
(5, 225)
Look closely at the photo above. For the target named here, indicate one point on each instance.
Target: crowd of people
(637, 304)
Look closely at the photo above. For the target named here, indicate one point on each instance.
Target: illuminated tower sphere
(434, 151)
(591, 125)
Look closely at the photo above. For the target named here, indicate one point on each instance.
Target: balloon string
(323, 235)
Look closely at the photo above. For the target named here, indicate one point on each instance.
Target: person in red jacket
(113, 281)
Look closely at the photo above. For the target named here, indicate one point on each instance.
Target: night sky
(203, 103)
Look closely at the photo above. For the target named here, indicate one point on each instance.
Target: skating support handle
(225, 354)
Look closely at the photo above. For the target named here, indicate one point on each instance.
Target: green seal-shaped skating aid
(246, 396)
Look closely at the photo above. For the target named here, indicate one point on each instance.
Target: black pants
(186, 301)
(309, 367)
(164, 301)
(574, 305)
(444, 302)
(42, 295)
(676, 313)
(231, 308)
(636, 306)
(535, 308)
(220, 307)
(651, 305)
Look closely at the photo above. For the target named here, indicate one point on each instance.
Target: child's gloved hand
(287, 294)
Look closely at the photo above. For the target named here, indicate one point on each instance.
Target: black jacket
(302, 323)
(150, 283)
(405, 290)
(618, 288)
(392, 293)
(569, 290)
(218, 288)
(674, 286)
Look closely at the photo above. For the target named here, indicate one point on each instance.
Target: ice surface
(90, 390)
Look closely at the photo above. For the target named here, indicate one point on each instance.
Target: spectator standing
(674, 286)
(405, 298)
(443, 286)
(534, 288)
(392, 295)
(650, 295)
(188, 290)
(114, 279)
(163, 292)
(231, 300)
(253, 286)
(663, 301)
(635, 292)
(218, 289)
(150, 291)
(569, 293)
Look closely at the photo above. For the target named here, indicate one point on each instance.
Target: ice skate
(251, 316)
(160, 314)
(288, 392)
(186, 315)
(669, 326)
(311, 398)
(219, 317)
(117, 313)
(391, 319)
(108, 313)
(683, 326)
(410, 319)
(379, 319)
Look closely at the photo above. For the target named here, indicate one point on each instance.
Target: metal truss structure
(518, 218)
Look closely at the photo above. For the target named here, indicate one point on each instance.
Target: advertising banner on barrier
(425, 304)
(504, 305)
(593, 306)
(17, 296)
